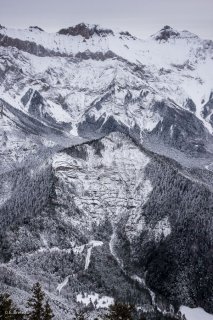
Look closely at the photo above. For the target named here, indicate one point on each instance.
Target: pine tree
(35, 304)
(48, 314)
(80, 315)
(8, 311)
(120, 311)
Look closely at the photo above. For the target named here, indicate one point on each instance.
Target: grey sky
(141, 17)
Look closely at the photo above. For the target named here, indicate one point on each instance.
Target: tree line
(38, 308)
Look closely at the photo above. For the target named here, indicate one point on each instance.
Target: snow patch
(6, 192)
(162, 227)
(62, 285)
(138, 279)
(91, 244)
(78, 249)
(94, 298)
(58, 113)
(195, 313)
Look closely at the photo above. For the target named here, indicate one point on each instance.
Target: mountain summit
(168, 32)
(86, 31)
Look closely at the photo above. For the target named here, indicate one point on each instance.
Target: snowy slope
(195, 314)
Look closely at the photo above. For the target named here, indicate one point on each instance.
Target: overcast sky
(141, 17)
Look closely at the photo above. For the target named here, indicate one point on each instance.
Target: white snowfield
(94, 298)
(195, 313)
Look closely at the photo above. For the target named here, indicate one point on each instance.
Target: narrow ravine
(141, 281)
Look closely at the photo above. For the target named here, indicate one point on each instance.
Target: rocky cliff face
(106, 168)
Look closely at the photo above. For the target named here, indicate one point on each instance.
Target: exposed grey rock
(180, 129)
(26, 46)
(190, 105)
(127, 34)
(37, 107)
(166, 33)
(27, 123)
(208, 108)
(86, 31)
(31, 28)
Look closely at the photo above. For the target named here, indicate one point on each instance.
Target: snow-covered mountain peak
(167, 33)
(89, 73)
(36, 29)
(188, 35)
(86, 31)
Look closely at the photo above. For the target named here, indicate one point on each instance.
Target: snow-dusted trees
(35, 303)
(8, 310)
(120, 311)
(48, 314)
(38, 309)
(186, 253)
(30, 191)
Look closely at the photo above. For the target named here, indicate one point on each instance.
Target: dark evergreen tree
(35, 303)
(120, 311)
(80, 315)
(8, 310)
(48, 313)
